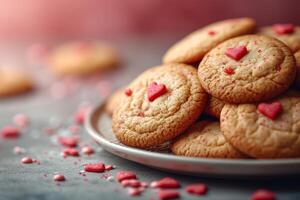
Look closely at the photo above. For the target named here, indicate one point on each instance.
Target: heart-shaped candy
(236, 53)
(271, 110)
(155, 90)
(282, 29)
(198, 189)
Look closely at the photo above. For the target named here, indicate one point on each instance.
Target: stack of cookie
(244, 81)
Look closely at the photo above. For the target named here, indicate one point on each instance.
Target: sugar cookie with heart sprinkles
(264, 130)
(204, 139)
(247, 69)
(164, 102)
(193, 47)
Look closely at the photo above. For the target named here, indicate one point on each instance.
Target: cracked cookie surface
(214, 107)
(255, 134)
(266, 70)
(194, 46)
(204, 139)
(143, 123)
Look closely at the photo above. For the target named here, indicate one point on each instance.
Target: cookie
(247, 69)
(14, 82)
(264, 130)
(82, 58)
(114, 100)
(287, 33)
(214, 107)
(164, 101)
(204, 139)
(297, 57)
(193, 47)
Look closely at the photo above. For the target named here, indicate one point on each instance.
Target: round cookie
(113, 101)
(193, 47)
(266, 130)
(14, 82)
(204, 139)
(164, 101)
(82, 58)
(214, 107)
(297, 57)
(287, 33)
(247, 69)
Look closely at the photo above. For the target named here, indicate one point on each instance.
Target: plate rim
(92, 131)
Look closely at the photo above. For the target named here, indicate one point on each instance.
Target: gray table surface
(19, 181)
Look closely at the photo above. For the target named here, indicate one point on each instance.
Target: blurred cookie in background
(82, 58)
(14, 82)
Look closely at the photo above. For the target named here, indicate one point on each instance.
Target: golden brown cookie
(247, 69)
(214, 107)
(114, 100)
(193, 47)
(164, 101)
(14, 82)
(82, 58)
(287, 33)
(204, 139)
(297, 57)
(266, 130)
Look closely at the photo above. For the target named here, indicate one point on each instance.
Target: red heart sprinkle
(282, 29)
(263, 194)
(270, 110)
(70, 152)
(27, 160)
(59, 177)
(128, 92)
(97, 167)
(211, 32)
(10, 132)
(68, 141)
(125, 175)
(236, 53)
(168, 194)
(109, 167)
(156, 90)
(165, 183)
(199, 189)
(229, 70)
(131, 183)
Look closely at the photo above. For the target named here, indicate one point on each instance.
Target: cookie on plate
(204, 139)
(114, 100)
(82, 58)
(193, 47)
(246, 69)
(214, 107)
(14, 82)
(264, 130)
(287, 33)
(164, 101)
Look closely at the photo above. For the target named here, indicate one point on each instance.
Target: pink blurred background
(32, 19)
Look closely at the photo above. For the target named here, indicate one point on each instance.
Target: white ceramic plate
(98, 126)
